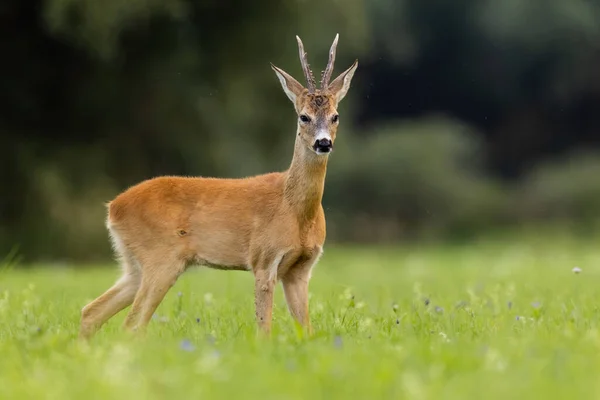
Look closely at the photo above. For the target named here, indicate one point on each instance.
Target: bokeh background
(465, 118)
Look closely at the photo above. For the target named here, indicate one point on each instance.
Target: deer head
(317, 108)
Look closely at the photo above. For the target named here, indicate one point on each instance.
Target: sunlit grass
(490, 320)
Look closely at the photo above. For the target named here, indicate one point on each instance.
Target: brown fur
(271, 224)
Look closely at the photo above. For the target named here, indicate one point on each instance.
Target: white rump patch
(126, 260)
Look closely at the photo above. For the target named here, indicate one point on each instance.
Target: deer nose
(323, 146)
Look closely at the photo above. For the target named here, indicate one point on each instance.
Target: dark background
(465, 117)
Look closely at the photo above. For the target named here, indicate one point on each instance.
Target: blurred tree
(102, 95)
(523, 73)
(96, 96)
(412, 180)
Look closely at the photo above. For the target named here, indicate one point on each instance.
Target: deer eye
(335, 118)
(304, 118)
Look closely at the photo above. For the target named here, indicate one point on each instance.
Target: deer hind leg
(157, 279)
(111, 302)
(295, 287)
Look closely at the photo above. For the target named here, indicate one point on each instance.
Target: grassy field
(489, 320)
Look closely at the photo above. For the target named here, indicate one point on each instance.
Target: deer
(272, 225)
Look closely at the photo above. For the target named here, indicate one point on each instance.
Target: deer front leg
(264, 286)
(295, 286)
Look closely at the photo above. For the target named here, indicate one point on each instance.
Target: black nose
(323, 146)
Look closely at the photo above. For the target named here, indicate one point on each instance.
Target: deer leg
(264, 287)
(154, 286)
(295, 287)
(115, 299)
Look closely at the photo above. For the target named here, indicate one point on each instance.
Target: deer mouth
(323, 146)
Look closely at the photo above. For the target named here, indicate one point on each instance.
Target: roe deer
(272, 225)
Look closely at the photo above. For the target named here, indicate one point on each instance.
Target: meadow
(489, 319)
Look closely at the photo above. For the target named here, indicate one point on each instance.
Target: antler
(310, 79)
(329, 69)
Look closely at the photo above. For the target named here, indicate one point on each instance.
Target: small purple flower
(439, 309)
(290, 365)
(160, 318)
(509, 305)
(186, 345)
(536, 304)
(337, 342)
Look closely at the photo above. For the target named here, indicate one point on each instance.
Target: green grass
(489, 320)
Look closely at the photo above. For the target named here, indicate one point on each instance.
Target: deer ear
(339, 87)
(291, 87)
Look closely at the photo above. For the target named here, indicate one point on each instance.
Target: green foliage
(415, 178)
(508, 319)
(567, 189)
(147, 87)
(541, 25)
(97, 26)
(101, 95)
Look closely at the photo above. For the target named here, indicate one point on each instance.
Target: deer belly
(219, 248)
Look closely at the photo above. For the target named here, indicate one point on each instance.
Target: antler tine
(310, 79)
(329, 69)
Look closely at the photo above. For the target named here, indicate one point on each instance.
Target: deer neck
(305, 181)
